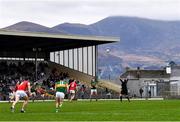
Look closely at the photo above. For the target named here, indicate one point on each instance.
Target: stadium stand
(33, 55)
(13, 71)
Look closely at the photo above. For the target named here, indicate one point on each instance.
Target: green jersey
(93, 84)
(61, 86)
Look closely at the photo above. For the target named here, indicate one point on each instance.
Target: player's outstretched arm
(121, 80)
(127, 80)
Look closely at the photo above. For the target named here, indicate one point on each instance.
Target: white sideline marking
(140, 99)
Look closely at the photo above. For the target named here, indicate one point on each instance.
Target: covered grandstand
(76, 55)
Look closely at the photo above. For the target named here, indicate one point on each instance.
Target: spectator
(82, 91)
(108, 93)
(149, 92)
(141, 92)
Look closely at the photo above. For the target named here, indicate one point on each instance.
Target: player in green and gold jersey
(93, 89)
(61, 87)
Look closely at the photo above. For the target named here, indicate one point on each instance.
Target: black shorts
(124, 92)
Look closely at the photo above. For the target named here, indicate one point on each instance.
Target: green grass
(167, 110)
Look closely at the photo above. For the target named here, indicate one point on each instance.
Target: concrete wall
(84, 77)
(135, 84)
(72, 73)
(109, 85)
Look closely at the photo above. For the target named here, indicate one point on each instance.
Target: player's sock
(57, 110)
(121, 98)
(60, 105)
(128, 99)
(12, 108)
(22, 110)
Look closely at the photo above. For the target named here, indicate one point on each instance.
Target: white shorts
(11, 95)
(21, 93)
(60, 95)
(93, 91)
(72, 91)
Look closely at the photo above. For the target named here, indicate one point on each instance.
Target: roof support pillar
(96, 61)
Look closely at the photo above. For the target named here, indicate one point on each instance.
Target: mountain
(143, 42)
(142, 38)
(140, 34)
(109, 66)
(32, 27)
(79, 29)
(135, 33)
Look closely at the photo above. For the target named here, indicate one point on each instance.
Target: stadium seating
(13, 71)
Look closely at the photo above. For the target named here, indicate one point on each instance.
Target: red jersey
(23, 85)
(72, 85)
(40, 91)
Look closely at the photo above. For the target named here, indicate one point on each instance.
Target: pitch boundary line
(92, 100)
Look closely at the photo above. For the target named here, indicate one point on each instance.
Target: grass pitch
(165, 110)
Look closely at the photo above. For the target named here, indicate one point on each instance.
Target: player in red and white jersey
(72, 89)
(21, 89)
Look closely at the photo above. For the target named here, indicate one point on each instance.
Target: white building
(175, 80)
(153, 82)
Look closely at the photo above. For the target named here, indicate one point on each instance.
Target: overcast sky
(53, 12)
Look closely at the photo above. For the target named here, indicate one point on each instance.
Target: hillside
(139, 34)
(146, 43)
(78, 29)
(32, 27)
